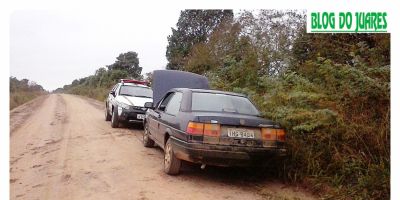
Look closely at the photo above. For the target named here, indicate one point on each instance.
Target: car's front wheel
(107, 115)
(114, 118)
(147, 141)
(172, 164)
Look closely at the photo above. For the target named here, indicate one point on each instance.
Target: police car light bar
(134, 81)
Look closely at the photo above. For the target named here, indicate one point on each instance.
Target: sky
(53, 48)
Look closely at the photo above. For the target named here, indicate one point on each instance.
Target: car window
(130, 90)
(174, 104)
(166, 100)
(222, 103)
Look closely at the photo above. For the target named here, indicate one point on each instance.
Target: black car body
(210, 127)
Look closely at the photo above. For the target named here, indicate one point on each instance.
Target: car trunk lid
(165, 80)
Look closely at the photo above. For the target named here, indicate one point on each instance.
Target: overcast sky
(55, 47)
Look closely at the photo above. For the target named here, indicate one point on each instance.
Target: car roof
(209, 91)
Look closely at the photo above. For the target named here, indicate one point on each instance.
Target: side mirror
(112, 93)
(149, 105)
(162, 107)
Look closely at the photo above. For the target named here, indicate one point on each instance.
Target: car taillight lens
(268, 134)
(213, 130)
(194, 128)
(280, 135)
(206, 129)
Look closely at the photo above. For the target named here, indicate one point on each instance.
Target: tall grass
(20, 97)
(98, 93)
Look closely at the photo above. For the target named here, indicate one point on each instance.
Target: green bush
(337, 121)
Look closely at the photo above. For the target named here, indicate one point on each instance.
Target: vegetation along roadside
(22, 91)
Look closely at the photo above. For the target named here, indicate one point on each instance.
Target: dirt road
(65, 150)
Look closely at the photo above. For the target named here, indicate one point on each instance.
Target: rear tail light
(194, 128)
(280, 135)
(273, 134)
(207, 129)
(213, 130)
(268, 134)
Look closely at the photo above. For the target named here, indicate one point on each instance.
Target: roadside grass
(98, 93)
(20, 97)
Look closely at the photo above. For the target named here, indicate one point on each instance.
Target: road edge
(22, 112)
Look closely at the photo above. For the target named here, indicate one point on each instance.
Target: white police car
(125, 102)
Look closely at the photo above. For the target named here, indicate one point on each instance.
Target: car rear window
(136, 91)
(222, 103)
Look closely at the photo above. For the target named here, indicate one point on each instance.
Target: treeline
(22, 91)
(98, 85)
(330, 91)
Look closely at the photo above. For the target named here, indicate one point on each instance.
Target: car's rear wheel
(172, 164)
(147, 141)
(114, 118)
(107, 115)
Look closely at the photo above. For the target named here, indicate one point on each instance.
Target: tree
(272, 34)
(127, 62)
(227, 57)
(371, 49)
(149, 77)
(194, 26)
(261, 41)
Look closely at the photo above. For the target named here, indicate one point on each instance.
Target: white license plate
(139, 116)
(240, 133)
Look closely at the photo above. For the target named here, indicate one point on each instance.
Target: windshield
(128, 90)
(222, 103)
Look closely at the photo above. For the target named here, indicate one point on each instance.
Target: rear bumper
(224, 155)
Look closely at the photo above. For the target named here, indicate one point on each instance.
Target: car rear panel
(224, 139)
(229, 122)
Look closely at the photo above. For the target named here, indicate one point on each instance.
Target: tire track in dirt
(39, 140)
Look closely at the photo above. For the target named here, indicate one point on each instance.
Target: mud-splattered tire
(107, 115)
(114, 118)
(172, 164)
(147, 141)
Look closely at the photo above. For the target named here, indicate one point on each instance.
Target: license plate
(240, 133)
(139, 116)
